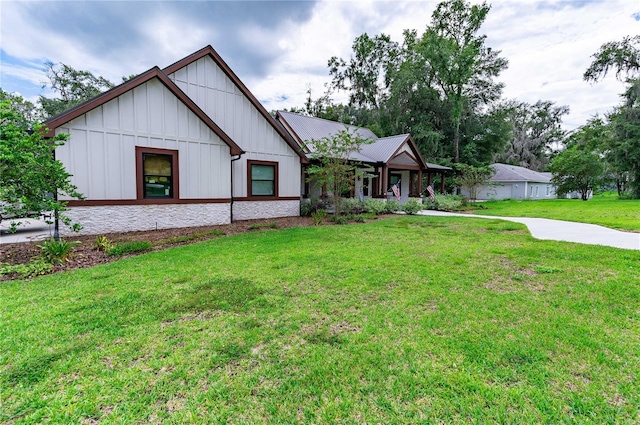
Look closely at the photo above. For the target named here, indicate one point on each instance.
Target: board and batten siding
(219, 97)
(100, 153)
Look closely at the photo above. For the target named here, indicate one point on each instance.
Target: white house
(514, 182)
(185, 146)
(190, 145)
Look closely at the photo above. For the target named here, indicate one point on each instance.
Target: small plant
(374, 206)
(102, 243)
(359, 218)
(391, 207)
(412, 206)
(57, 251)
(318, 217)
(216, 232)
(272, 225)
(35, 267)
(352, 206)
(443, 203)
(130, 247)
(340, 219)
(176, 239)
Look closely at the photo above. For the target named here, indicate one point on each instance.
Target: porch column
(419, 182)
(442, 182)
(383, 183)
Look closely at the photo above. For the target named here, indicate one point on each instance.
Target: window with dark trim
(263, 178)
(393, 179)
(157, 173)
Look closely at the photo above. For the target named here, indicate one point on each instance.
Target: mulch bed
(85, 254)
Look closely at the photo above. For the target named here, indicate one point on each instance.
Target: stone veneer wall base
(130, 218)
(249, 210)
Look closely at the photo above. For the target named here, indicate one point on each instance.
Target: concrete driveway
(31, 230)
(567, 231)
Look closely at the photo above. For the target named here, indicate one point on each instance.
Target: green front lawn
(403, 320)
(605, 209)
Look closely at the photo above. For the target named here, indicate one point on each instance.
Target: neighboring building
(513, 182)
(388, 160)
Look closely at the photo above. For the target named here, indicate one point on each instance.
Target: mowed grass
(403, 320)
(603, 209)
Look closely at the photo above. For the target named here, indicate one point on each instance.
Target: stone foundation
(129, 218)
(249, 210)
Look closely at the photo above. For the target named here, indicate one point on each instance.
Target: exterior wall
(125, 218)
(248, 210)
(516, 190)
(218, 96)
(100, 153)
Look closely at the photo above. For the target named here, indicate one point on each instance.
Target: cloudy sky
(281, 48)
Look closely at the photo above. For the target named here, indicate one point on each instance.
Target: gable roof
(155, 72)
(306, 129)
(210, 51)
(514, 173)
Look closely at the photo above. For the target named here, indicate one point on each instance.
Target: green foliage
(623, 56)
(130, 248)
(352, 206)
(258, 226)
(35, 267)
(412, 206)
(29, 173)
(444, 202)
(536, 130)
(318, 217)
(332, 166)
(57, 251)
(340, 219)
(391, 206)
(472, 178)
(576, 169)
(374, 206)
(73, 86)
(102, 243)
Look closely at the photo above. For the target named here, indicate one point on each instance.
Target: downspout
(231, 206)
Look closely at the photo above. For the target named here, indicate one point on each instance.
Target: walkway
(567, 231)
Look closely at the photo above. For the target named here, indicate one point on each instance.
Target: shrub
(412, 206)
(359, 218)
(35, 267)
(340, 219)
(102, 243)
(318, 217)
(374, 206)
(444, 203)
(308, 207)
(352, 206)
(130, 247)
(391, 207)
(57, 251)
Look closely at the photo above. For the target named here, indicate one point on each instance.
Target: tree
(28, 113)
(73, 86)
(29, 173)
(463, 68)
(332, 165)
(576, 169)
(472, 178)
(536, 133)
(623, 56)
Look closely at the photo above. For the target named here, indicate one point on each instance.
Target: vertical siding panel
(113, 160)
(128, 154)
(111, 114)
(95, 118)
(79, 158)
(126, 107)
(141, 109)
(170, 113)
(183, 120)
(156, 104)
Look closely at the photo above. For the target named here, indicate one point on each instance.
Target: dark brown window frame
(250, 195)
(175, 175)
